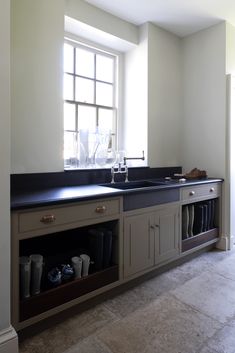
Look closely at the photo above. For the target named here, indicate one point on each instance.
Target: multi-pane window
(90, 110)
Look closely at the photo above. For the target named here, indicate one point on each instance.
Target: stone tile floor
(189, 309)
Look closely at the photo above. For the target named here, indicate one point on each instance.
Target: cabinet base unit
(66, 254)
(200, 223)
(57, 266)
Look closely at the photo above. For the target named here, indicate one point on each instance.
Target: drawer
(192, 193)
(57, 216)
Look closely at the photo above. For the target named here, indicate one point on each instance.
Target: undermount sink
(133, 184)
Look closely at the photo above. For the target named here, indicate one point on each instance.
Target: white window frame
(117, 106)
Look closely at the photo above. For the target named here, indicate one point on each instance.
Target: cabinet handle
(212, 189)
(50, 218)
(192, 193)
(154, 226)
(100, 209)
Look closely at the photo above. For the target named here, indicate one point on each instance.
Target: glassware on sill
(120, 156)
(105, 157)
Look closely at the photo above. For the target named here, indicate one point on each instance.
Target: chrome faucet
(132, 158)
(119, 169)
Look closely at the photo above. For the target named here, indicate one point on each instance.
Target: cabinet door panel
(138, 244)
(167, 234)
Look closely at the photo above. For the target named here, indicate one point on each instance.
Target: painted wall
(164, 97)
(5, 165)
(8, 338)
(92, 16)
(230, 48)
(37, 31)
(203, 130)
(136, 100)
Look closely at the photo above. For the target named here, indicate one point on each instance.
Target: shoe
(67, 272)
(54, 276)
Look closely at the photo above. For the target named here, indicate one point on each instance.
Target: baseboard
(231, 242)
(8, 341)
(223, 243)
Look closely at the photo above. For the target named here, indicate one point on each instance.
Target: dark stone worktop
(22, 199)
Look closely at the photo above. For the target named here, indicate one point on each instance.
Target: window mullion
(97, 116)
(77, 117)
(74, 71)
(95, 79)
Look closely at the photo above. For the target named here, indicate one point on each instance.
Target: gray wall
(8, 338)
(5, 165)
(37, 35)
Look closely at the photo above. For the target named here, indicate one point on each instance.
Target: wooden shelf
(66, 292)
(199, 239)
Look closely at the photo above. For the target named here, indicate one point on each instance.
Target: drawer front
(52, 217)
(196, 192)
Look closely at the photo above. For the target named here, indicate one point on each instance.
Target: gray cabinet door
(166, 233)
(138, 243)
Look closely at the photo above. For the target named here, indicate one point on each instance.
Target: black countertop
(67, 194)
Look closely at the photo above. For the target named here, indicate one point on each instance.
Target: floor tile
(131, 300)
(89, 345)
(167, 281)
(203, 262)
(223, 341)
(210, 293)
(143, 294)
(162, 326)
(226, 268)
(62, 336)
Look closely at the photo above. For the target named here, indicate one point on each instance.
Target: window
(90, 109)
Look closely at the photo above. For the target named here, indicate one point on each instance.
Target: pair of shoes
(56, 276)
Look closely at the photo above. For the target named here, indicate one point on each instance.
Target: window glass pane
(68, 87)
(104, 68)
(105, 120)
(86, 118)
(84, 90)
(104, 94)
(69, 116)
(85, 63)
(70, 147)
(68, 58)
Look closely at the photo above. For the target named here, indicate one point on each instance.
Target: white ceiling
(182, 17)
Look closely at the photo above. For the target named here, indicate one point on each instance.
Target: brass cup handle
(192, 193)
(100, 209)
(50, 218)
(212, 189)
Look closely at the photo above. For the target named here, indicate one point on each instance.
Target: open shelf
(66, 292)
(57, 249)
(199, 239)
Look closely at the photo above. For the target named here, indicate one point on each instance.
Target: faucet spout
(134, 158)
